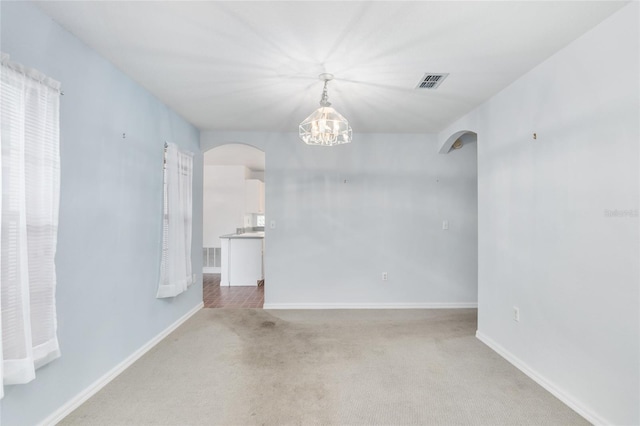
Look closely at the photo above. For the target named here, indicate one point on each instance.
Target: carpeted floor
(348, 367)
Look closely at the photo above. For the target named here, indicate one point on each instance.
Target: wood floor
(215, 296)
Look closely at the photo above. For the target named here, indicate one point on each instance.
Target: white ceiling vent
(431, 81)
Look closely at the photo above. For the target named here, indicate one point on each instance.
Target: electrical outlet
(385, 277)
(516, 314)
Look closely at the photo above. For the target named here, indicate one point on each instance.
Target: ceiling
(235, 155)
(253, 66)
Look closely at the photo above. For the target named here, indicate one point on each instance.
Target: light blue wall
(334, 239)
(110, 212)
(546, 242)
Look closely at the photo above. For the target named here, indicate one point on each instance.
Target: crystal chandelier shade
(325, 126)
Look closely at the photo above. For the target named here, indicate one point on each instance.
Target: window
(175, 265)
(29, 108)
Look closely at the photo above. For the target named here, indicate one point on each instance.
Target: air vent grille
(431, 81)
(211, 257)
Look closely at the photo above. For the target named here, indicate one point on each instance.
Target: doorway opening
(233, 227)
(465, 142)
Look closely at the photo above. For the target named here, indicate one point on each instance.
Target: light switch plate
(445, 224)
(272, 224)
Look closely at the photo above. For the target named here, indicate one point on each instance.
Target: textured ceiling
(254, 65)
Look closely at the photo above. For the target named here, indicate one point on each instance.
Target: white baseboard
(92, 389)
(211, 270)
(370, 305)
(576, 406)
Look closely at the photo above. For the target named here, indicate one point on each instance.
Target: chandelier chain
(325, 96)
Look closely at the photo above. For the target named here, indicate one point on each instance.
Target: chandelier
(325, 126)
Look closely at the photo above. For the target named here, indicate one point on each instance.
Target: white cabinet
(241, 261)
(254, 196)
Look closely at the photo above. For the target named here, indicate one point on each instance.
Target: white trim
(562, 395)
(211, 269)
(467, 305)
(93, 388)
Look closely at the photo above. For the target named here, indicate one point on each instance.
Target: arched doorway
(465, 142)
(457, 140)
(233, 226)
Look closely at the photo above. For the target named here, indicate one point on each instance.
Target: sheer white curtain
(29, 113)
(175, 269)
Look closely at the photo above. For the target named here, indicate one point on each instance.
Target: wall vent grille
(211, 257)
(431, 81)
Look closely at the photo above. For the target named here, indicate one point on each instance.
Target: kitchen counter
(241, 259)
(259, 234)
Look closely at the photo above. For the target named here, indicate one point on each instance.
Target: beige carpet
(357, 367)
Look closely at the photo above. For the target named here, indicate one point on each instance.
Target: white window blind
(30, 180)
(175, 266)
